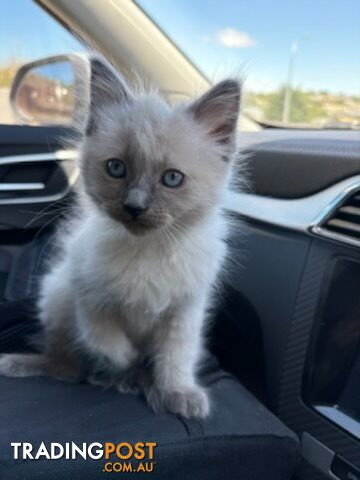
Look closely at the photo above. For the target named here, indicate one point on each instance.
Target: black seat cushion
(240, 440)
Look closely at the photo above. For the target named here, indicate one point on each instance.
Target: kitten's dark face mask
(135, 194)
(144, 205)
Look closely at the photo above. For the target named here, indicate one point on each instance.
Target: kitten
(130, 292)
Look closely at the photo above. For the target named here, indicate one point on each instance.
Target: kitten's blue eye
(172, 178)
(116, 168)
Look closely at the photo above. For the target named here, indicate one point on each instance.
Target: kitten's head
(150, 166)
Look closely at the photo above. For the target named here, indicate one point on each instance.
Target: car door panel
(288, 272)
(35, 174)
(36, 181)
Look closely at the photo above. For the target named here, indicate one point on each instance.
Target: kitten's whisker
(43, 213)
(46, 224)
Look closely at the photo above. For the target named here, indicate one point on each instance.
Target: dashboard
(301, 274)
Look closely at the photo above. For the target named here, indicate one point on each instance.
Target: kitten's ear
(107, 87)
(218, 110)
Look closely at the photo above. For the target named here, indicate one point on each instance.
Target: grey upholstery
(241, 439)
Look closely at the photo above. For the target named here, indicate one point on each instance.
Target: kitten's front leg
(102, 335)
(176, 353)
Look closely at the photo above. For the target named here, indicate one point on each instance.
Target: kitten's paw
(100, 381)
(14, 365)
(136, 380)
(128, 385)
(189, 402)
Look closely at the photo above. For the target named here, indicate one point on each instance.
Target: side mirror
(52, 91)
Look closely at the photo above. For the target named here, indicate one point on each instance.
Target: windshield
(299, 60)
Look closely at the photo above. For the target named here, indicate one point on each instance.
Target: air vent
(343, 223)
(51, 176)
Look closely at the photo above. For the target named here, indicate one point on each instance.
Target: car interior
(284, 348)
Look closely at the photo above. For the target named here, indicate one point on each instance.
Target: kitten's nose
(134, 210)
(135, 202)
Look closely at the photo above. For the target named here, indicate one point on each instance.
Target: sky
(254, 37)
(251, 38)
(28, 32)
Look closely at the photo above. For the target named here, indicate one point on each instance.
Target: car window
(300, 60)
(28, 33)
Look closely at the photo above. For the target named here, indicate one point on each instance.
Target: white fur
(136, 274)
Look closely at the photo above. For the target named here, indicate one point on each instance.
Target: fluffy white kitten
(128, 296)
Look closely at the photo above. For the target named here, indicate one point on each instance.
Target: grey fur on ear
(106, 87)
(218, 109)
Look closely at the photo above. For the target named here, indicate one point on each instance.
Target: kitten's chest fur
(146, 278)
(151, 277)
